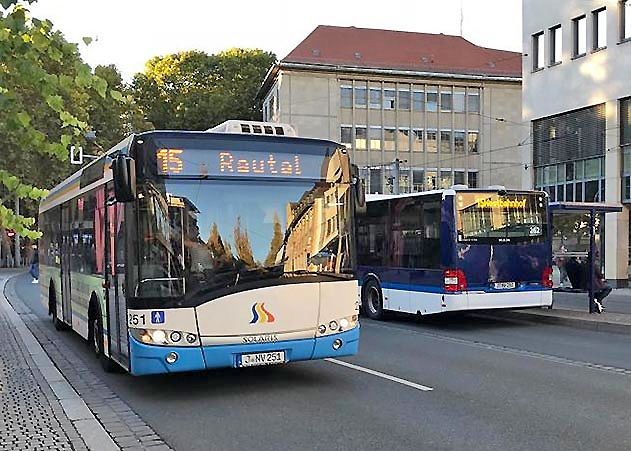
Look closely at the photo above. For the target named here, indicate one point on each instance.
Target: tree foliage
(45, 93)
(194, 91)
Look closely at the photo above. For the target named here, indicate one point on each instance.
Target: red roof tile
(385, 49)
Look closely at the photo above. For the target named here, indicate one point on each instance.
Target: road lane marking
(507, 349)
(398, 380)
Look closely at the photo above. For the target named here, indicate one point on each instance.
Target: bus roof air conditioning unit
(254, 127)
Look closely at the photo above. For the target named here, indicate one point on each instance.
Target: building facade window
(389, 138)
(418, 100)
(599, 21)
(575, 135)
(418, 177)
(625, 144)
(576, 181)
(417, 140)
(473, 100)
(568, 151)
(472, 179)
(346, 135)
(346, 97)
(389, 99)
(538, 55)
(360, 137)
(472, 141)
(403, 139)
(445, 141)
(431, 103)
(445, 101)
(361, 97)
(556, 45)
(579, 36)
(404, 99)
(375, 98)
(459, 101)
(459, 140)
(374, 137)
(431, 141)
(625, 20)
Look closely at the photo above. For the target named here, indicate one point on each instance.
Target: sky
(129, 32)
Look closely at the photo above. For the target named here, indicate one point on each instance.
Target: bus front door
(66, 245)
(116, 304)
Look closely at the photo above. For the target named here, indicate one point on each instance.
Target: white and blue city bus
(183, 251)
(452, 250)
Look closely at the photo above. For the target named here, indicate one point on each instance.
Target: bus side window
(431, 236)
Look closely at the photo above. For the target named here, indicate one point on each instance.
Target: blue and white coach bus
(452, 250)
(183, 251)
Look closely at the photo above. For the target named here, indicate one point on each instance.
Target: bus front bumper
(150, 359)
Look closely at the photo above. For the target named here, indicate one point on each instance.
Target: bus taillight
(546, 277)
(454, 280)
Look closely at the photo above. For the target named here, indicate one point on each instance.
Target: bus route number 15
(136, 319)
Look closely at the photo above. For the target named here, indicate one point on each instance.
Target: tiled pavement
(124, 426)
(31, 416)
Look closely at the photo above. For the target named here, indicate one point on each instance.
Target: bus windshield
(487, 217)
(213, 237)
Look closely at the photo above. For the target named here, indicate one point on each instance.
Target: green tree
(276, 243)
(44, 91)
(111, 119)
(193, 90)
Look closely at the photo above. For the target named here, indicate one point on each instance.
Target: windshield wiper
(334, 275)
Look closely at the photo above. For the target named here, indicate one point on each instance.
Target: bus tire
(52, 308)
(95, 336)
(372, 300)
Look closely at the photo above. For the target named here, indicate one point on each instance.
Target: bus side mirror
(124, 173)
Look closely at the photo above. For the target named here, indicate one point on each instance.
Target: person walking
(601, 287)
(34, 268)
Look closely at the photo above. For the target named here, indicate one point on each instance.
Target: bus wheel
(96, 336)
(372, 300)
(52, 300)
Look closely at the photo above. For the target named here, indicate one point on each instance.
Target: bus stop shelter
(577, 233)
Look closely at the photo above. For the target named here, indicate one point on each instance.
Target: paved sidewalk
(572, 309)
(31, 415)
(121, 426)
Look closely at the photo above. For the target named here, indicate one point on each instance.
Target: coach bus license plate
(504, 285)
(261, 358)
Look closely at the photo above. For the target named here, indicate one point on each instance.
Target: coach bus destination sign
(206, 162)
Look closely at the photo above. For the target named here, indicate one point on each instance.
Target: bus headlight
(158, 336)
(164, 337)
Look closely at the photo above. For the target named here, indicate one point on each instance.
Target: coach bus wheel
(96, 335)
(52, 300)
(372, 300)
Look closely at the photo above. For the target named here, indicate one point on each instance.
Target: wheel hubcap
(373, 300)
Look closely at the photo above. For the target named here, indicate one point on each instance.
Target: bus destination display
(204, 162)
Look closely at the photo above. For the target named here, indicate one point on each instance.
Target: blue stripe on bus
(149, 359)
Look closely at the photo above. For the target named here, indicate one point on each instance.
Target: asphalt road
(497, 385)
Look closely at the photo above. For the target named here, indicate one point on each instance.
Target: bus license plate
(261, 358)
(504, 285)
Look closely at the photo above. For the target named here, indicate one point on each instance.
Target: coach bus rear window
(491, 217)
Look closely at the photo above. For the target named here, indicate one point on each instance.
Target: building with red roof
(447, 110)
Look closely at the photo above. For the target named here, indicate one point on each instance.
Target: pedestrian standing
(34, 268)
